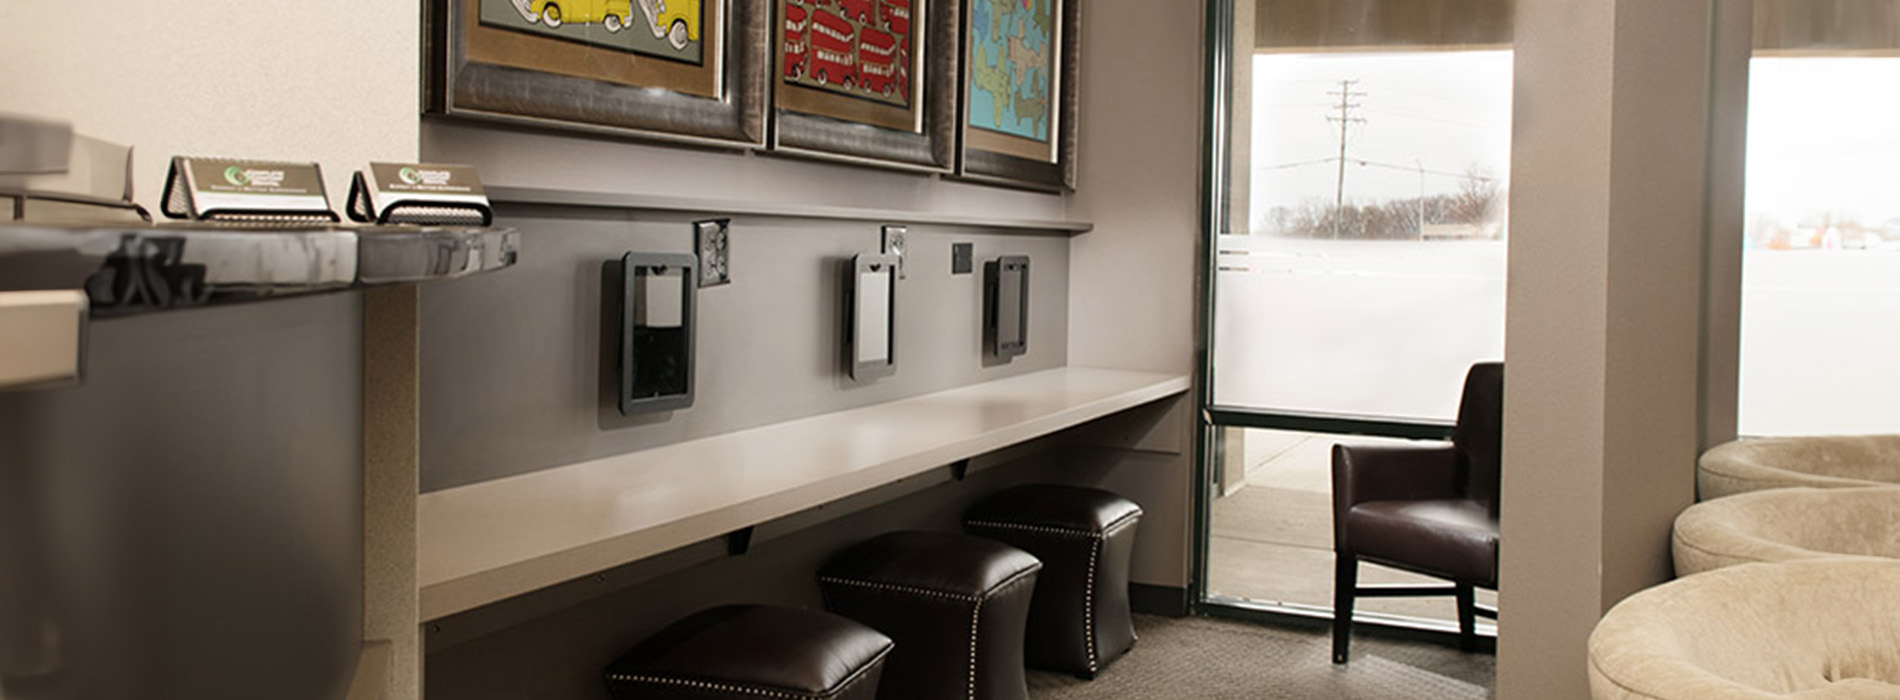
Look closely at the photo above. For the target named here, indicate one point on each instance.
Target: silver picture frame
(929, 147)
(1057, 171)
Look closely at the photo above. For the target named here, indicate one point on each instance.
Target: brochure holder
(247, 191)
(423, 194)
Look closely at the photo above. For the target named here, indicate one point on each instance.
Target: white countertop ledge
(489, 541)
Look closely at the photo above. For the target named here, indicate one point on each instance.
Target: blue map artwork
(1010, 67)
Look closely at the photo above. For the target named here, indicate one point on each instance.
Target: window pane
(1821, 273)
(1366, 276)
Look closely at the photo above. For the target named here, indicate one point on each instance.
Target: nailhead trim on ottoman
(954, 605)
(1079, 621)
(745, 652)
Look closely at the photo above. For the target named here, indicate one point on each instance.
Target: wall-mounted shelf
(131, 270)
(614, 200)
(493, 540)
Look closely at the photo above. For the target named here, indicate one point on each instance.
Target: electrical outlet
(714, 246)
(894, 245)
(962, 258)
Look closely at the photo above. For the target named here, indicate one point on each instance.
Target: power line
(1375, 164)
(1296, 164)
(1416, 169)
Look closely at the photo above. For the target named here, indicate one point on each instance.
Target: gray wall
(512, 382)
(512, 369)
(1132, 290)
(187, 524)
(600, 164)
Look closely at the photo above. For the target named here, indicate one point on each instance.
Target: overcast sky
(1439, 110)
(1824, 136)
(1824, 133)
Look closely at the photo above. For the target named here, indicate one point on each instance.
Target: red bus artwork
(797, 37)
(859, 10)
(833, 59)
(877, 61)
(896, 16)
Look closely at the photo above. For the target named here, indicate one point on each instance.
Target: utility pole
(1421, 197)
(1345, 118)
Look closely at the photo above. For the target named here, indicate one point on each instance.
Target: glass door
(1358, 270)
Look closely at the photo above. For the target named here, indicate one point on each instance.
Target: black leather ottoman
(750, 652)
(954, 604)
(1085, 538)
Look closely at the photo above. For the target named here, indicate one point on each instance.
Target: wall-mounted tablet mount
(656, 332)
(1006, 306)
(870, 337)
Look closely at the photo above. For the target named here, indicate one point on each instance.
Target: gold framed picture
(679, 70)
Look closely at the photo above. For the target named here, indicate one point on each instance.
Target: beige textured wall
(1554, 390)
(1605, 322)
(332, 82)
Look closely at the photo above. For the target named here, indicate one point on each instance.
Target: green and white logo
(237, 176)
(422, 176)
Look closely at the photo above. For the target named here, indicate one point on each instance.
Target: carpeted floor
(1206, 659)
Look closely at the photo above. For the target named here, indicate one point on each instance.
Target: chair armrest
(1364, 473)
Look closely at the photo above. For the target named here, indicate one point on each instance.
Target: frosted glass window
(1366, 273)
(1820, 350)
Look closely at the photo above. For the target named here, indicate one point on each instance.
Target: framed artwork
(676, 70)
(869, 81)
(1020, 67)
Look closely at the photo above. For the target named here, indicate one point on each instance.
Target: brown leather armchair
(1430, 510)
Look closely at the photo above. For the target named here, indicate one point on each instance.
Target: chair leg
(1345, 586)
(1467, 617)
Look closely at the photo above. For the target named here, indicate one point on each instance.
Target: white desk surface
(489, 541)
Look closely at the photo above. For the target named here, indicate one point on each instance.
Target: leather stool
(1079, 621)
(955, 605)
(748, 652)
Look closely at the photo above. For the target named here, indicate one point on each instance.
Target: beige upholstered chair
(1821, 462)
(1820, 629)
(1785, 524)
